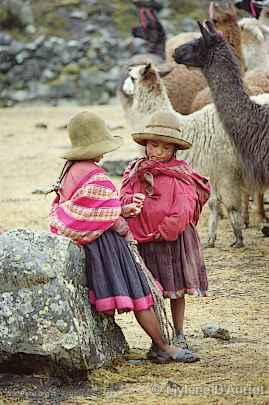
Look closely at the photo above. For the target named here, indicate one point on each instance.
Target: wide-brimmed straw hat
(163, 126)
(89, 137)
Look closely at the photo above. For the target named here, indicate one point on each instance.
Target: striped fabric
(89, 209)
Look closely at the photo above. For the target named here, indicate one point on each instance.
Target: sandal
(181, 341)
(152, 353)
(181, 356)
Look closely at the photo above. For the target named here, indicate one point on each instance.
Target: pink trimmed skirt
(179, 265)
(114, 280)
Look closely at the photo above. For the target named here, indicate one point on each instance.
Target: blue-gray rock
(46, 322)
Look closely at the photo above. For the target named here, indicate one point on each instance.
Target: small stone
(265, 230)
(215, 331)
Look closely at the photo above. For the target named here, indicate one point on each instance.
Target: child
(88, 210)
(172, 195)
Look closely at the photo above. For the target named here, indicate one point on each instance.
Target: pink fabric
(87, 204)
(175, 194)
(120, 303)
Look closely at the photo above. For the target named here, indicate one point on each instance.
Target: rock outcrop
(46, 322)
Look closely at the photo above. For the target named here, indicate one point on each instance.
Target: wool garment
(178, 265)
(175, 195)
(87, 204)
(115, 281)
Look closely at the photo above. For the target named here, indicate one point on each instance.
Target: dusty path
(234, 372)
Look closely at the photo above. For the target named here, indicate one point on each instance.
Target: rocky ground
(230, 372)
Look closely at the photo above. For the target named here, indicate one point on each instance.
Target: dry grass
(228, 371)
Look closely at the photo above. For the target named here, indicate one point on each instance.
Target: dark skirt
(114, 280)
(179, 265)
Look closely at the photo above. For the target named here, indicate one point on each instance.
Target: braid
(57, 186)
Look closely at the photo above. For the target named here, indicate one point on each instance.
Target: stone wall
(76, 48)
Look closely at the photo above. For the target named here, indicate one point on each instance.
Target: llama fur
(212, 152)
(245, 120)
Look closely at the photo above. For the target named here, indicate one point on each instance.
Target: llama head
(151, 30)
(224, 18)
(251, 31)
(153, 4)
(222, 15)
(146, 76)
(199, 52)
(253, 7)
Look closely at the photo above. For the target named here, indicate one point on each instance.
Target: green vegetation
(124, 16)
(51, 15)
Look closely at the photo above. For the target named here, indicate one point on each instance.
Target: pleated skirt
(179, 265)
(114, 280)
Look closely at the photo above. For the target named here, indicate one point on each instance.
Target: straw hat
(163, 126)
(89, 137)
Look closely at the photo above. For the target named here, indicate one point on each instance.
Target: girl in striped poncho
(87, 210)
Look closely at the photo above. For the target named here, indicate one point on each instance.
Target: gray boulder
(46, 322)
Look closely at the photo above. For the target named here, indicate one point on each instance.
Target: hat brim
(93, 151)
(142, 138)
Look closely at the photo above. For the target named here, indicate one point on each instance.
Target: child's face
(160, 151)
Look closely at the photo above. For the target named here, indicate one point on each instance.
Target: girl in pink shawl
(171, 195)
(87, 209)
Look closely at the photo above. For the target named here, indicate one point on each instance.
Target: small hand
(130, 210)
(156, 236)
(139, 198)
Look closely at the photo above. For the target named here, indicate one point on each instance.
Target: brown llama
(181, 84)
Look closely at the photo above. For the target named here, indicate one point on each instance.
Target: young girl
(172, 195)
(88, 210)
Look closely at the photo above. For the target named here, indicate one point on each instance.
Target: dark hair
(58, 185)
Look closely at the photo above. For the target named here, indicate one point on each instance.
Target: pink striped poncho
(87, 205)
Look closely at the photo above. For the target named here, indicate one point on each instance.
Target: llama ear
(205, 33)
(211, 27)
(146, 69)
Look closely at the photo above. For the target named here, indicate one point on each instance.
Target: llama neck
(245, 121)
(232, 35)
(151, 97)
(225, 82)
(157, 48)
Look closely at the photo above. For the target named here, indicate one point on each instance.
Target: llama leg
(231, 195)
(213, 205)
(236, 222)
(245, 209)
(260, 212)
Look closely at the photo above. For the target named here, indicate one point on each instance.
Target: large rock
(46, 322)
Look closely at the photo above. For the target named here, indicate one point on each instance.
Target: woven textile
(87, 204)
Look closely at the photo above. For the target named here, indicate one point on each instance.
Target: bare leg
(178, 311)
(148, 321)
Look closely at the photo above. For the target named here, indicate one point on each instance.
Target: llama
(225, 20)
(246, 121)
(253, 7)
(257, 82)
(212, 153)
(176, 40)
(152, 31)
(182, 84)
(254, 45)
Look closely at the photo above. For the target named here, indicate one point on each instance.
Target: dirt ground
(230, 372)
